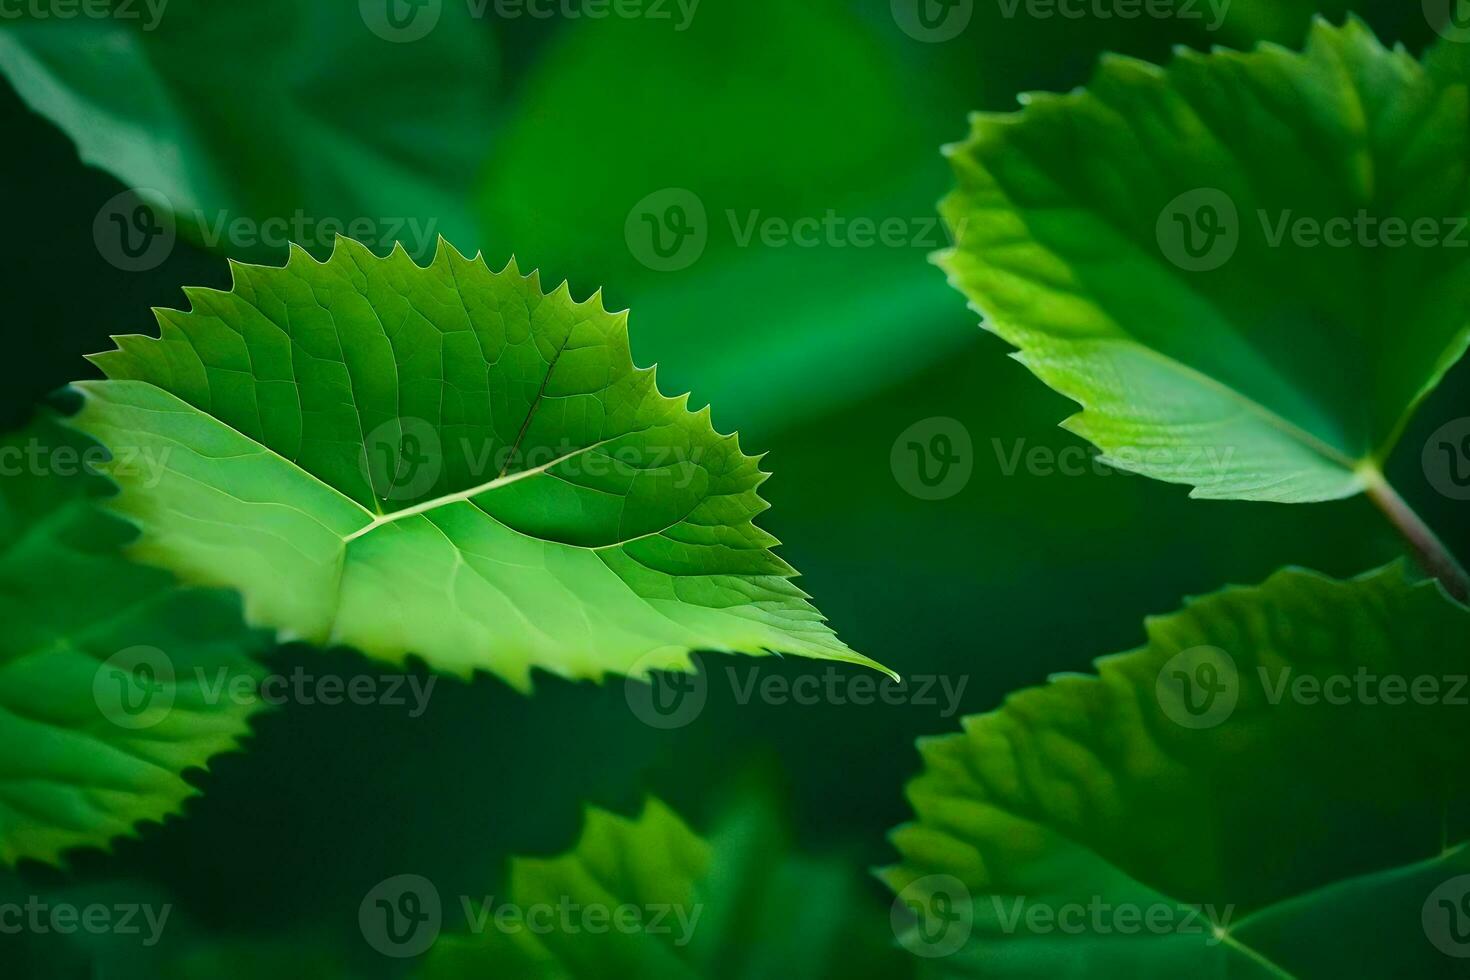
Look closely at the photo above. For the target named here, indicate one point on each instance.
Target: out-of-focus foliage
(789, 135)
(737, 905)
(289, 117)
(114, 679)
(1041, 561)
(1186, 782)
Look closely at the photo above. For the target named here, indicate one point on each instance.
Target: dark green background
(1014, 578)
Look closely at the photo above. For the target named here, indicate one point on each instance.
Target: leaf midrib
(378, 520)
(1298, 434)
(1289, 428)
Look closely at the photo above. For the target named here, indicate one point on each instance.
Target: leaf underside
(1283, 816)
(443, 461)
(1281, 368)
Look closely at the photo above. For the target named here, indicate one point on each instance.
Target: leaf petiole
(1433, 556)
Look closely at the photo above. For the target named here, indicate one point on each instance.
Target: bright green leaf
(288, 117)
(443, 461)
(114, 679)
(1218, 259)
(1282, 762)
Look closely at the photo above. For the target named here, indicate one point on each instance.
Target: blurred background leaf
(821, 119)
(1013, 577)
(265, 111)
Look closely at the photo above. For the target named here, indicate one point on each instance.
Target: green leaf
(740, 906)
(859, 115)
(90, 752)
(1448, 61)
(270, 111)
(1279, 762)
(1257, 367)
(443, 461)
(653, 862)
(342, 125)
(1248, 22)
